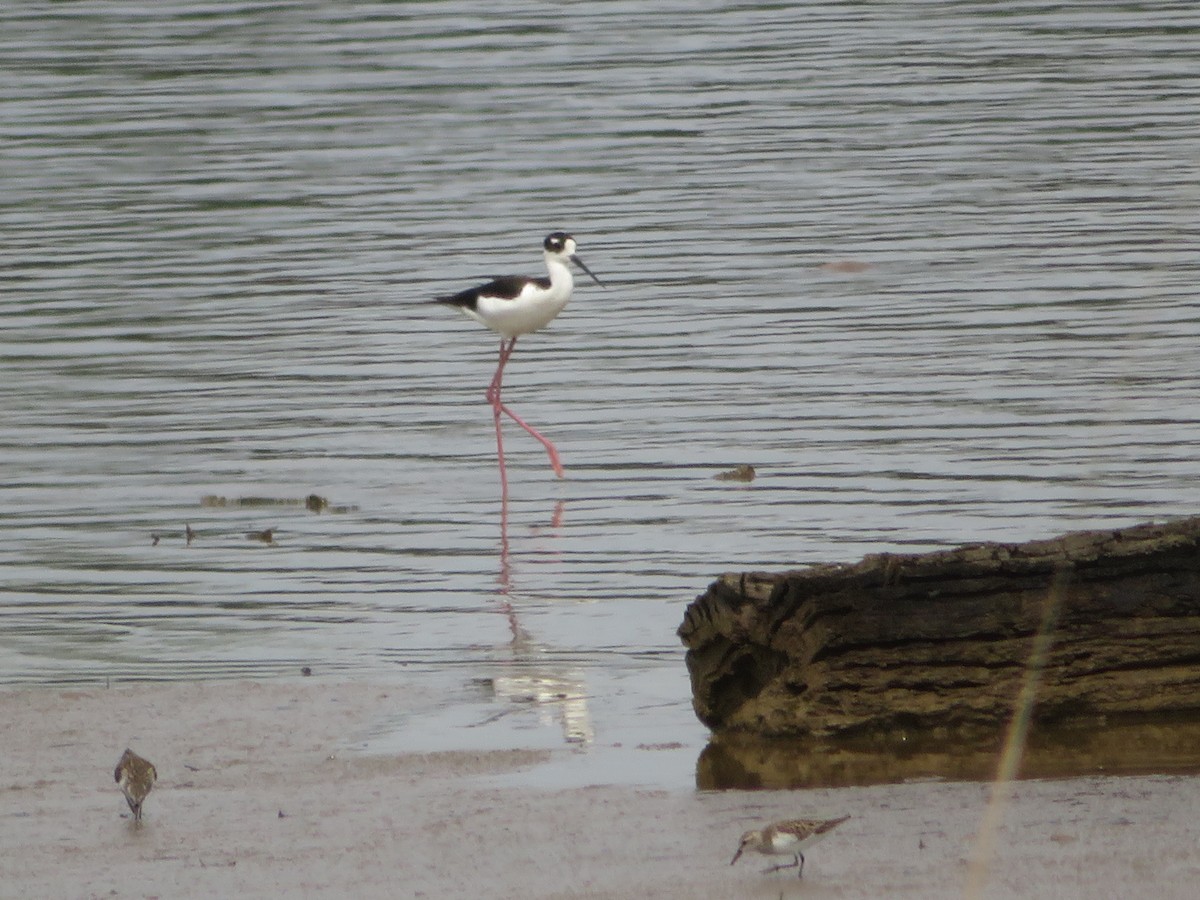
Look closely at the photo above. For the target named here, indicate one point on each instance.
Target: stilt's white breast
(530, 310)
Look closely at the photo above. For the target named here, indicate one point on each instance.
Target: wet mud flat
(262, 793)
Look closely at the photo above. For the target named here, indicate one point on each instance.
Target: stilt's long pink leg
(500, 454)
(493, 396)
(498, 406)
(545, 441)
(493, 391)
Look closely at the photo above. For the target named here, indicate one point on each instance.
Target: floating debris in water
(215, 500)
(189, 533)
(738, 473)
(313, 503)
(267, 536)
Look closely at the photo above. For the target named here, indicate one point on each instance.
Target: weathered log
(942, 640)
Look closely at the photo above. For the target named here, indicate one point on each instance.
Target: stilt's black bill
(579, 262)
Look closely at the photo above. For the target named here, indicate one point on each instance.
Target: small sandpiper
(787, 839)
(135, 776)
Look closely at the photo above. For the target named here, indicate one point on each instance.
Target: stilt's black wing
(506, 287)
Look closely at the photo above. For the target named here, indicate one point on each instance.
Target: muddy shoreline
(261, 793)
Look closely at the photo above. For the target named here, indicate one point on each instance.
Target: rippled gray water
(219, 223)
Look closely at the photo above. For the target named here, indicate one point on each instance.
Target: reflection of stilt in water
(560, 696)
(504, 578)
(555, 520)
(553, 695)
(533, 684)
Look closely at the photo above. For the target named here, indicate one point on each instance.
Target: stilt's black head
(556, 241)
(562, 245)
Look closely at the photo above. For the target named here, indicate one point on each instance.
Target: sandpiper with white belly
(788, 838)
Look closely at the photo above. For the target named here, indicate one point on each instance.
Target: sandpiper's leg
(795, 862)
(800, 859)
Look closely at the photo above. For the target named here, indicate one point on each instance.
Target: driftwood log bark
(918, 643)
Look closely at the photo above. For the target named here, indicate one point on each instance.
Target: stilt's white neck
(560, 273)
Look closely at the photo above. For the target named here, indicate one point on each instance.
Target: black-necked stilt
(513, 305)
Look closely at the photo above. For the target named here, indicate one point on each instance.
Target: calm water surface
(220, 222)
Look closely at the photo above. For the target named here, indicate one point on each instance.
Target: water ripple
(934, 278)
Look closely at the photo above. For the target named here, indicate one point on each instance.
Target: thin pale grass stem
(1014, 742)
